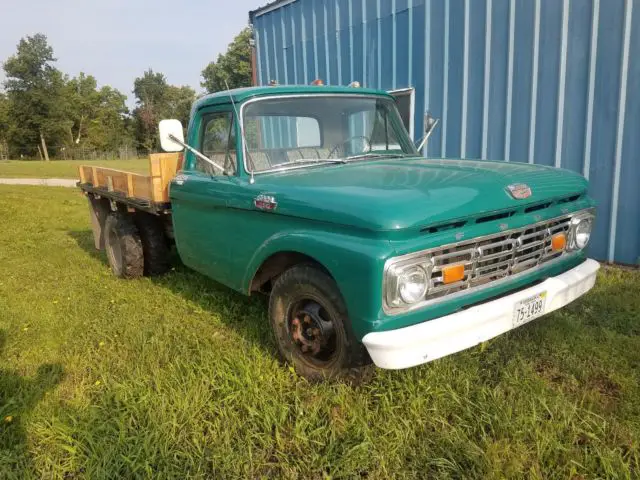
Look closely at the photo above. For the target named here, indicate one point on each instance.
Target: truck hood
(405, 193)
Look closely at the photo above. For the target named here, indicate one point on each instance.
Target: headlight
(406, 284)
(412, 285)
(580, 231)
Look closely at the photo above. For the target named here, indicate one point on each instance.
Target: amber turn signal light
(558, 242)
(452, 274)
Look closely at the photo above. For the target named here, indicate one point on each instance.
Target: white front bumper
(421, 343)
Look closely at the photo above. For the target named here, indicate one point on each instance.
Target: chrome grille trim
(519, 251)
(490, 258)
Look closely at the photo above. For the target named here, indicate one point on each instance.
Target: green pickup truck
(317, 197)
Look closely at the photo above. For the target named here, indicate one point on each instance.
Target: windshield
(311, 130)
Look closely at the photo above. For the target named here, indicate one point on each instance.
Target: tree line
(46, 114)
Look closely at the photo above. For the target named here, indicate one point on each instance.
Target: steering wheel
(354, 137)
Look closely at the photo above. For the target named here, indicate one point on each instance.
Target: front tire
(123, 246)
(312, 328)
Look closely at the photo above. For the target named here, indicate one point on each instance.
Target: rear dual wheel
(123, 246)
(136, 245)
(312, 328)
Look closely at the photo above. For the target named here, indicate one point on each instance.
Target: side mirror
(429, 124)
(171, 135)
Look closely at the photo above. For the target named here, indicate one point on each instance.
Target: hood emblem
(519, 191)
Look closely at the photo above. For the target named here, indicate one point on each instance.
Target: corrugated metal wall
(552, 82)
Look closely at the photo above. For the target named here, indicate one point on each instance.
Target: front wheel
(312, 328)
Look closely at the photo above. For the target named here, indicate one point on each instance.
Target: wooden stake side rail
(136, 188)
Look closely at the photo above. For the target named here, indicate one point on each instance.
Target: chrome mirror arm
(197, 153)
(429, 125)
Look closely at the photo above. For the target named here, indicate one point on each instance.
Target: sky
(117, 40)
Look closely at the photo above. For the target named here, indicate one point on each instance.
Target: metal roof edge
(268, 8)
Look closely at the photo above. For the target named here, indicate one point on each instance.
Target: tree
(4, 124)
(155, 100)
(4, 117)
(82, 103)
(34, 89)
(107, 130)
(234, 66)
(150, 90)
(178, 103)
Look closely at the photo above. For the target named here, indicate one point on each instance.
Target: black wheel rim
(312, 331)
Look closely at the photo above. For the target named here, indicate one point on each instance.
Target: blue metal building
(552, 82)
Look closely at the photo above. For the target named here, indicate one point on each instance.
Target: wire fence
(124, 152)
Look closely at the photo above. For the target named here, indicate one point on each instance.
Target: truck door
(200, 193)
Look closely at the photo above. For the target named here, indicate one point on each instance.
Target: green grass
(177, 377)
(65, 168)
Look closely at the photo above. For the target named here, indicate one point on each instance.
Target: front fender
(354, 262)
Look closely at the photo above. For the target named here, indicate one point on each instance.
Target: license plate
(529, 308)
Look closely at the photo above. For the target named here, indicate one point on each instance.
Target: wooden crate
(153, 187)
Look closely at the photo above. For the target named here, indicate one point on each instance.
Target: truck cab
(317, 197)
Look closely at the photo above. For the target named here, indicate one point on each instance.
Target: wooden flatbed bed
(149, 193)
(142, 199)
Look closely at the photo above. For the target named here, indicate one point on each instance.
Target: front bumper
(424, 342)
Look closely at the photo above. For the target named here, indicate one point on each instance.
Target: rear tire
(312, 327)
(123, 246)
(154, 244)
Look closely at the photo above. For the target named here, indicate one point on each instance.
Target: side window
(218, 142)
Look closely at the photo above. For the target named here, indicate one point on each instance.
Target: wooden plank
(163, 167)
(157, 189)
(170, 167)
(141, 186)
(155, 159)
(129, 185)
(88, 174)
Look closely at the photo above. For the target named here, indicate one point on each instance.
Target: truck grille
(496, 256)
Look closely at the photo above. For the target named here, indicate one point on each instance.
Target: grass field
(177, 377)
(65, 168)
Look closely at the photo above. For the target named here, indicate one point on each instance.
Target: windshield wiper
(317, 160)
(374, 155)
(283, 167)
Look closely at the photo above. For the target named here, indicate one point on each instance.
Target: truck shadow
(246, 315)
(19, 395)
(84, 239)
